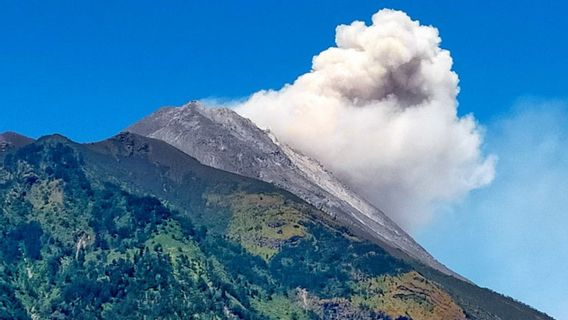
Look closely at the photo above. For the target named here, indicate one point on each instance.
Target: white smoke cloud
(380, 111)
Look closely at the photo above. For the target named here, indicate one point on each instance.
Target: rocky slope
(222, 139)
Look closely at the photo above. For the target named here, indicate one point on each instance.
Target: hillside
(220, 138)
(132, 228)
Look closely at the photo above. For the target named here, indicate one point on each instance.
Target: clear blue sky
(88, 69)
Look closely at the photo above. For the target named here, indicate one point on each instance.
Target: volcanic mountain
(133, 228)
(221, 138)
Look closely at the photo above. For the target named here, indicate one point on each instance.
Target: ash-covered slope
(222, 139)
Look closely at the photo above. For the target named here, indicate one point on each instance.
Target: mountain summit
(13, 140)
(221, 138)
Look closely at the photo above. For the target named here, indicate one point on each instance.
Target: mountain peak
(11, 139)
(220, 138)
(195, 104)
(56, 137)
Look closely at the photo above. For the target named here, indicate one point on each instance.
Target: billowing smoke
(380, 111)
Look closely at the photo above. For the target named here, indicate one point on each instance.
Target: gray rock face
(222, 139)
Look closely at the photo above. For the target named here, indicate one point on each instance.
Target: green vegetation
(406, 294)
(264, 223)
(281, 307)
(79, 244)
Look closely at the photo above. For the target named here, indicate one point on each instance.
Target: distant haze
(380, 110)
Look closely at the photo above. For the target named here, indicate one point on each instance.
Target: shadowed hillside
(132, 228)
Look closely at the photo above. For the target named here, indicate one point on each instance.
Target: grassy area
(407, 294)
(263, 223)
(280, 307)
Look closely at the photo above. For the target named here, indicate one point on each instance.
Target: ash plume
(380, 110)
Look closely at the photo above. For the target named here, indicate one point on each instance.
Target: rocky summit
(221, 138)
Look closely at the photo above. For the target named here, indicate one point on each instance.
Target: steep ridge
(132, 227)
(222, 139)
